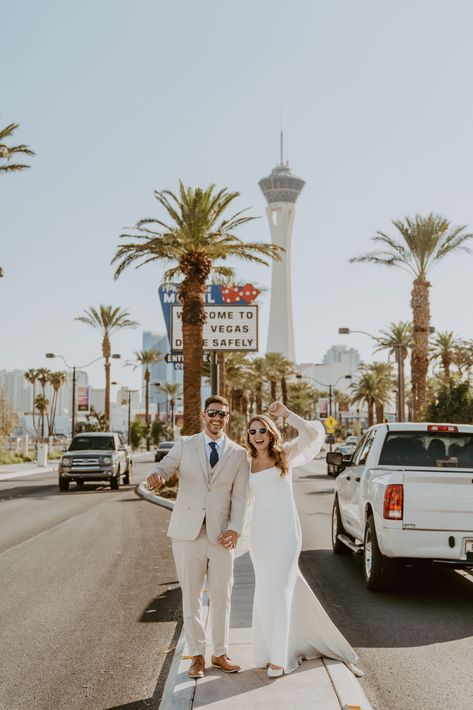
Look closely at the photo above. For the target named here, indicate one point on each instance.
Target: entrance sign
(226, 328)
(178, 358)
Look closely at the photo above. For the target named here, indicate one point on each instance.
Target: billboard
(83, 399)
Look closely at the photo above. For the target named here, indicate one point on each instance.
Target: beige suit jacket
(220, 500)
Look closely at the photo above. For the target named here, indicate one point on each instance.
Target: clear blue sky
(120, 98)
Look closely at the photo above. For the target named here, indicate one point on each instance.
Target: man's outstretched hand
(155, 481)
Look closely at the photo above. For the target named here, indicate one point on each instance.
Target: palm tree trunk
(148, 426)
(274, 394)
(446, 369)
(370, 412)
(221, 374)
(259, 397)
(172, 418)
(106, 352)
(420, 352)
(193, 317)
(284, 391)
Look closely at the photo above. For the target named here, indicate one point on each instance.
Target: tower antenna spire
(281, 137)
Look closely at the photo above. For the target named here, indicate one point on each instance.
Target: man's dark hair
(216, 399)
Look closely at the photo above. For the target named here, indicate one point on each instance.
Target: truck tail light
(393, 502)
(442, 427)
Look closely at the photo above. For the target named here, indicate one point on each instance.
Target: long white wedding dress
(289, 623)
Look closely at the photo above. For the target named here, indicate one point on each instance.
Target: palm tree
(172, 390)
(56, 380)
(302, 398)
(144, 359)
(425, 241)
(107, 320)
(7, 152)
(197, 237)
(31, 376)
(41, 403)
(397, 339)
(364, 392)
(257, 375)
(444, 348)
(385, 384)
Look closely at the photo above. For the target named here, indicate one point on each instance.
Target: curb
(348, 690)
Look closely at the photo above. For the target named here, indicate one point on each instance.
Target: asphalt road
(416, 644)
(89, 602)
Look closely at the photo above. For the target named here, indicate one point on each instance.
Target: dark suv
(95, 456)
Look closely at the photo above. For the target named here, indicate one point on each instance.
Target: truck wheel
(115, 482)
(337, 529)
(380, 572)
(63, 484)
(126, 477)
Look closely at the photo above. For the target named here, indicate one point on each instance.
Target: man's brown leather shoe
(197, 669)
(223, 662)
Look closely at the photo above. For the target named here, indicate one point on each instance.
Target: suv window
(95, 443)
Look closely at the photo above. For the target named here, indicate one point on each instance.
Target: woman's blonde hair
(275, 449)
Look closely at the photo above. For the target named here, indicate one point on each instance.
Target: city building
(281, 189)
(161, 371)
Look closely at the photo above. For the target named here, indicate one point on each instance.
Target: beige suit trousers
(196, 559)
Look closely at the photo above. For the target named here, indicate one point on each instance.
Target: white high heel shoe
(275, 672)
(356, 671)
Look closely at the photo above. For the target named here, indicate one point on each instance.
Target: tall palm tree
(144, 359)
(397, 340)
(42, 375)
(172, 390)
(56, 380)
(41, 403)
(257, 377)
(196, 237)
(424, 242)
(444, 348)
(364, 391)
(107, 320)
(31, 376)
(7, 152)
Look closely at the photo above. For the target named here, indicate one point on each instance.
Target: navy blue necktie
(213, 454)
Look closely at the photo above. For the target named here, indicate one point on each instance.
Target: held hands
(228, 539)
(278, 409)
(155, 482)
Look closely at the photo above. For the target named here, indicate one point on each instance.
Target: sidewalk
(321, 684)
(20, 470)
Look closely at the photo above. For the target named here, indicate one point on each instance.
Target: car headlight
(107, 460)
(66, 461)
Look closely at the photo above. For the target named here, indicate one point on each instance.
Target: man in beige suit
(205, 524)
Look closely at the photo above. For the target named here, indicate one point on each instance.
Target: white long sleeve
(310, 439)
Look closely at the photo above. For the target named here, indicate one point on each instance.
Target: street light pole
(73, 427)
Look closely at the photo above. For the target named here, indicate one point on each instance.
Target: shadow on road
(165, 607)
(431, 604)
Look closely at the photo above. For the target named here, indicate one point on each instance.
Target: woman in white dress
(289, 623)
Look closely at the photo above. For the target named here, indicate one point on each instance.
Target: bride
(289, 623)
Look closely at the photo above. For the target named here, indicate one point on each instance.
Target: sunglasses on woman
(216, 412)
(263, 430)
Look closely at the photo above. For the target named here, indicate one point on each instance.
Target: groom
(205, 524)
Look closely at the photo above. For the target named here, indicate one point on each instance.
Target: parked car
(347, 452)
(352, 440)
(96, 456)
(405, 494)
(163, 449)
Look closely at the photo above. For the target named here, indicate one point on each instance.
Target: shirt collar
(220, 442)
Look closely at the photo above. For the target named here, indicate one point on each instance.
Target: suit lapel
(229, 448)
(199, 442)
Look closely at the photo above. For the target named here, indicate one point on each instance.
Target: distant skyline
(118, 100)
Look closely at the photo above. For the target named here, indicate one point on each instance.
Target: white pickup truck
(406, 494)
